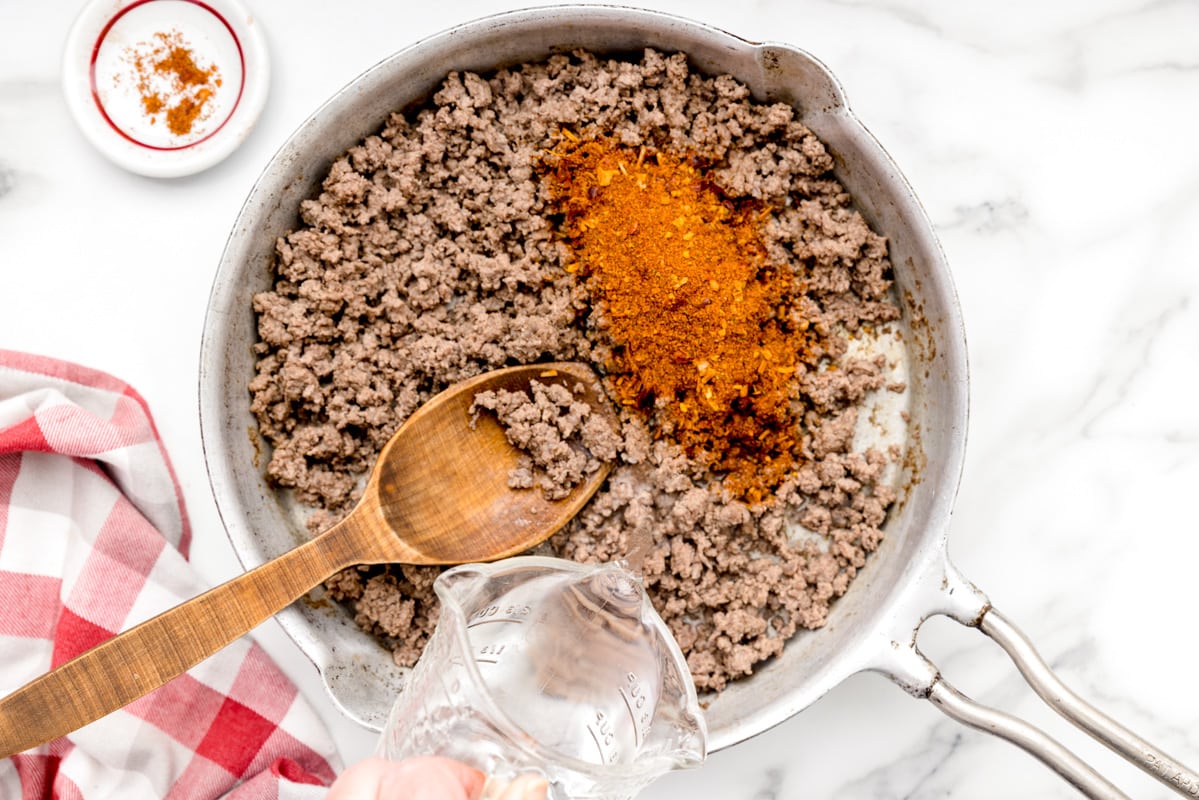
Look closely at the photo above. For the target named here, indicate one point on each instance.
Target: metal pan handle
(944, 591)
(1069, 705)
(1028, 737)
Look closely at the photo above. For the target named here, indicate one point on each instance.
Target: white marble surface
(1054, 147)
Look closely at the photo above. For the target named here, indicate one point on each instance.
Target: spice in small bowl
(178, 88)
(166, 87)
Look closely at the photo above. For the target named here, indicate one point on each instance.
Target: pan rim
(217, 430)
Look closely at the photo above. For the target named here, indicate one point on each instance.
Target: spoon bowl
(440, 490)
(438, 495)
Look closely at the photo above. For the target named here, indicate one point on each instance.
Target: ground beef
(431, 255)
(562, 440)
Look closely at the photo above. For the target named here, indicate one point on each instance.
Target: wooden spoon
(438, 495)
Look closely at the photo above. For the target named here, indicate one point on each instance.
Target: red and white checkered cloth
(93, 540)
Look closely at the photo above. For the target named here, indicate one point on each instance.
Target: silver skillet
(873, 627)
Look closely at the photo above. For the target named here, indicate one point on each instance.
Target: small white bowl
(160, 116)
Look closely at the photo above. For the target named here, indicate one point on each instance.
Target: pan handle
(1028, 737)
(1149, 758)
(944, 591)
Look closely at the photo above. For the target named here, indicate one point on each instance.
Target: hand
(419, 778)
(425, 778)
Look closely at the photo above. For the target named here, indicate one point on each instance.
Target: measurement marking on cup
(478, 622)
(490, 653)
(598, 747)
(628, 704)
(604, 736)
(499, 613)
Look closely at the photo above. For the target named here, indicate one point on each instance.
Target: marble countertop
(1053, 146)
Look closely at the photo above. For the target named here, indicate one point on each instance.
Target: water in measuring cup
(571, 664)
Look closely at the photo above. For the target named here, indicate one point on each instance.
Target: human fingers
(525, 787)
(417, 778)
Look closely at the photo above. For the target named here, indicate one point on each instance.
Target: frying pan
(910, 578)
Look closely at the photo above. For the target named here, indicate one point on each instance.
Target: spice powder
(692, 303)
(171, 84)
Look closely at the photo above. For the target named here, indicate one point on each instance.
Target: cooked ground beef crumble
(561, 439)
(432, 255)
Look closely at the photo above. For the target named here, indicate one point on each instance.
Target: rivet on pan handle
(1069, 705)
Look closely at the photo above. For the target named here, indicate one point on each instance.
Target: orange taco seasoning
(691, 301)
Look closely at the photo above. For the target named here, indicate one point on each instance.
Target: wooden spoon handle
(122, 669)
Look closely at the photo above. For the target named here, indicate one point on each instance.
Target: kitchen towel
(93, 539)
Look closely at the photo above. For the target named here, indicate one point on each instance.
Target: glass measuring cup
(548, 666)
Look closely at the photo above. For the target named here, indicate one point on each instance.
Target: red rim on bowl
(100, 103)
(166, 88)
